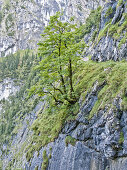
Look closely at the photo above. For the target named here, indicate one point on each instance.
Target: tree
(60, 52)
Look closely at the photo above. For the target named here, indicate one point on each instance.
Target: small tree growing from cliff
(60, 53)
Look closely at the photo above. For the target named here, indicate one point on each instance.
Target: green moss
(113, 29)
(121, 139)
(9, 22)
(70, 140)
(36, 168)
(6, 5)
(1, 164)
(109, 11)
(29, 154)
(94, 35)
(124, 98)
(103, 32)
(93, 21)
(45, 161)
(1, 17)
(123, 40)
(113, 73)
(120, 2)
(49, 124)
(11, 34)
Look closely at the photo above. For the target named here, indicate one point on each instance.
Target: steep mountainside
(22, 21)
(89, 135)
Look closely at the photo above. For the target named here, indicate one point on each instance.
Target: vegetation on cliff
(61, 78)
(18, 67)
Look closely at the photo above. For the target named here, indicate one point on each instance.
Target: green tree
(60, 52)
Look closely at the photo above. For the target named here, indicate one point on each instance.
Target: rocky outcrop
(112, 47)
(7, 87)
(100, 142)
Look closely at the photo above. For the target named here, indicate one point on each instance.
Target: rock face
(7, 87)
(110, 47)
(98, 140)
(22, 22)
(101, 142)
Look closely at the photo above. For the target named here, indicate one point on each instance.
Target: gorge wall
(22, 22)
(96, 139)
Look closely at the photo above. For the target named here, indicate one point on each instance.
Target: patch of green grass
(93, 21)
(109, 11)
(124, 98)
(115, 76)
(1, 17)
(45, 161)
(121, 139)
(70, 140)
(123, 40)
(114, 30)
(36, 168)
(1, 164)
(103, 32)
(9, 21)
(52, 118)
(49, 124)
(11, 34)
(120, 2)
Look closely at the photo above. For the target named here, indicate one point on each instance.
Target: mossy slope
(49, 123)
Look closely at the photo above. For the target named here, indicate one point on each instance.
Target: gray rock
(118, 14)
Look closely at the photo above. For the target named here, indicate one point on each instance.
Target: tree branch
(57, 89)
(56, 100)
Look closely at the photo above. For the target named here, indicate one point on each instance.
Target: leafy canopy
(60, 52)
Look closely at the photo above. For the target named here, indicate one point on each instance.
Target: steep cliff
(94, 137)
(22, 21)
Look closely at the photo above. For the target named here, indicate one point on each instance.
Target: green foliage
(114, 73)
(9, 22)
(93, 21)
(70, 140)
(52, 118)
(36, 168)
(123, 40)
(48, 125)
(103, 32)
(1, 17)
(120, 2)
(109, 11)
(60, 53)
(1, 164)
(6, 5)
(115, 30)
(18, 66)
(124, 99)
(11, 34)
(121, 139)
(45, 161)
